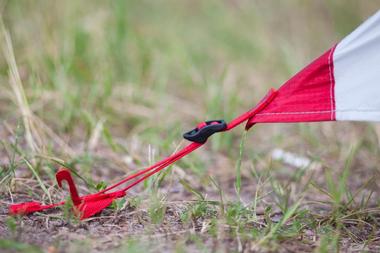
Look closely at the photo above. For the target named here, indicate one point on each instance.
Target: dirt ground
(133, 228)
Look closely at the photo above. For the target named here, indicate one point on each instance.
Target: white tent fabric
(357, 73)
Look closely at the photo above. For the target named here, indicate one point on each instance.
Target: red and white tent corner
(342, 84)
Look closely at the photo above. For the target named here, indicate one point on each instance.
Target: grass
(105, 88)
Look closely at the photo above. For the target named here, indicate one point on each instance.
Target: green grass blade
(42, 185)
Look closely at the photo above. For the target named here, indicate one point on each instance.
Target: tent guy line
(88, 205)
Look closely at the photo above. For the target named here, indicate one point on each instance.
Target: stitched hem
(332, 82)
(317, 112)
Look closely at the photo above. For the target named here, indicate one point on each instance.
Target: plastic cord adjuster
(204, 130)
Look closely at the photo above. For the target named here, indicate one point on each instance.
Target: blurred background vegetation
(154, 67)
